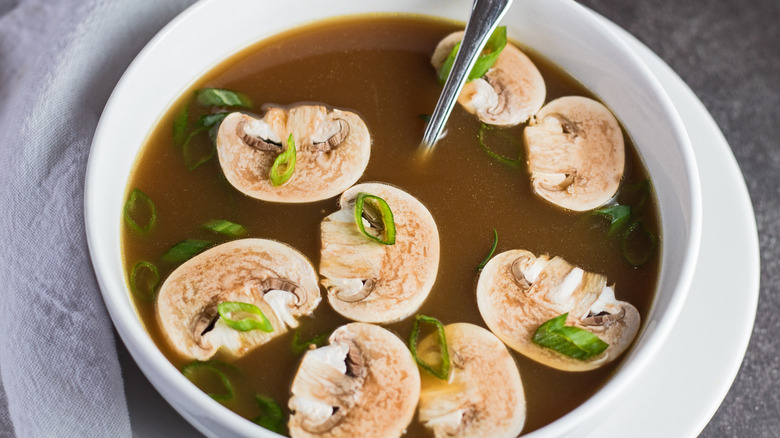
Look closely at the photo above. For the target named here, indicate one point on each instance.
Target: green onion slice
(271, 416)
(225, 227)
(144, 280)
(495, 44)
(492, 250)
(221, 97)
(180, 125)
(197, 153)
(209, 379)
(140, 212)
(568, 340)
(635, 194)
(425, 117)
(185, 250)
(231, 311)
(638, 244)
(618, 216)
(443, 370)
(299, 347)
(284, 164)
(378, 214)
(503, 134)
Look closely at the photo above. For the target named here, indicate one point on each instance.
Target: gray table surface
(728, 52)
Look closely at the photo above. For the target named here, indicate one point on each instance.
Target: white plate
(683, 386)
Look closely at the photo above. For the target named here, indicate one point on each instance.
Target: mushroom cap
(364, 384)
(484, 396)
(517, 292)
(575, 153)
(246, 270)
(327, 160)
(371, 282)
(508, 94)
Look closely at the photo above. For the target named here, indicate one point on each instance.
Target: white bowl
(562, 31)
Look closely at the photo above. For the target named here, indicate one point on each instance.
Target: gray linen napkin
(59, 61)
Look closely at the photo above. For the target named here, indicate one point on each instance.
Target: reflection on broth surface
(379, 67)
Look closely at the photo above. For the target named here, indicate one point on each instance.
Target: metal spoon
(485, 15)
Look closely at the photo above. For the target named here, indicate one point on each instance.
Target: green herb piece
(144, 280)
(185, 250)
(425, 117)
(231, 311)
(221, 97)
(209, 379)
(225, 227)
(140, 212)
(513, 163)
(618, 216)
(443, 370)
(180, 125)
(635, 194)
(495, 44)
(271, 416)
(195, 153)
(492, 250)
(638, 244)
(299, 347)
(378, 214)
(284, 164)
(568, 340)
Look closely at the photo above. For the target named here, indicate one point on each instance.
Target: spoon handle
(485, 15)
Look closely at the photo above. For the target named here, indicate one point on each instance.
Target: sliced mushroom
(575, 153)
(371, 282)
(332, 150)
(484, 395)
(508, 94)
(365, 383)
(272, 276)
(513, 308)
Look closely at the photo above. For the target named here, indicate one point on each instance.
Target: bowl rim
(176, 388)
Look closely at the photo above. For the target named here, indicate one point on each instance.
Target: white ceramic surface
(562, 31)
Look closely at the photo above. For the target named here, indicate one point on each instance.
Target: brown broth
(379, 67)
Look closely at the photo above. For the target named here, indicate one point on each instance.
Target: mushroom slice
(269, 275)
(513, 309)
(365, 383)
(332, 149)
(371, 282)
(508, 94)
(575, 153)
(484, 395)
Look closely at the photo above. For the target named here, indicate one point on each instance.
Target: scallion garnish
(378, 214)
(568, 340)
(425, 117)
(495, 44)
(185, 250)
(442, 371)
(140, 212)
(221, 97)
(225, 227)
(209, 379)
(195, 154)
(271, 416)
(180, 125)
(513, 163)
(618, 216)
(638, 244)
(635, 194)
(144, 280)
(299, 347)
(492, 250)
(284, 164)
(248, 313)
